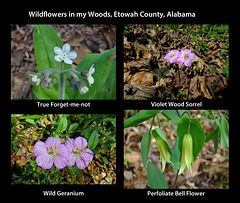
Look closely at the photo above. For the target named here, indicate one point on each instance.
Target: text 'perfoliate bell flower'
(187, 153)
(164, 153)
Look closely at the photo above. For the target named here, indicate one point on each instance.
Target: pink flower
(51, 152)
(78, 152)
(172, 56)
(186, 57)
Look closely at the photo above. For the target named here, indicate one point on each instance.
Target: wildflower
(172, 56)
(187, 153)
(78, 152)
(51, 152)
(164, 152)
(89, 75)
(36, 78)
(64, 54)
(186, 57)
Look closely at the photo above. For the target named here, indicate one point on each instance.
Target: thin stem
(152, 123)
(62, 84)
(179, 82)
(189, 88)
(176, 178)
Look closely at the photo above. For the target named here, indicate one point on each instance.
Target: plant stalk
(179, 81)
(62, 84)
(189, 88)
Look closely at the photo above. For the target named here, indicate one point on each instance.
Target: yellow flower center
(186, 57)
(52, 151)
(171, 55)
(77, 152)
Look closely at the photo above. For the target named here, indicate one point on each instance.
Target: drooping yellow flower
(164, 153)
(187, 153)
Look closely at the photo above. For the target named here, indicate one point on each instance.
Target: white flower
(83, 90)
(36, 79)
(64, 54)
(89, 75)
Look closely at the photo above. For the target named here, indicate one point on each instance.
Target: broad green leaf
(191, 126)
(224, 131)
(140, 117)
(45, 39)
(108, 88)
(93, 140)
(157, 132)
(101, 63)
(155, 177)
(212, 135)
(62, 125)
(145, 146)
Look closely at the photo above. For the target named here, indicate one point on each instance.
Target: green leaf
(172, 115)
(155, 177)
(145, 146)
(224, 131)
(93, 140)
(176, 155)
(212, 135)
(62, 125)
(73, 127)
(101, 64)
(108, 88)
(140, 117)
(45, 39)
(191, 126)
(157, 132)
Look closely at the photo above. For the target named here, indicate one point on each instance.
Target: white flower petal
(72, 55)
(57, 58)
(90, 80)
(66, 48)
(68, 61)
(58, 50)
(91, 70)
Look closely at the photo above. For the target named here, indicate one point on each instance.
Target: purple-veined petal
(69, 143)
(53, 141)
(80, 143)
(167, 58)
(81, 164)
(60, 162)
(87, 155)
(192, 56)
(45, 161)
(173, 59)
(40, 148)
(71, 160)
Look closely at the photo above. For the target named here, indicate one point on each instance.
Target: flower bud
(187, 153)
(164, 153)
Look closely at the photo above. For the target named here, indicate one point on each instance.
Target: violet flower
(186, 57)
(172, 56)
(51, 152)
(78, 152)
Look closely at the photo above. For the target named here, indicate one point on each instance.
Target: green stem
(62, 84)
(179, 82)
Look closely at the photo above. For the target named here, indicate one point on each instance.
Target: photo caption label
(176, 104)
(175, 193)
(63, 104)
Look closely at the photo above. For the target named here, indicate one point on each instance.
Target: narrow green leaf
(224, 131)
(140, 117)
(176, 155)
(73, 127)
(155, 177)
(145, 146)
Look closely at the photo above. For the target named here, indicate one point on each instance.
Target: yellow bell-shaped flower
(187, 153)
(164, 153)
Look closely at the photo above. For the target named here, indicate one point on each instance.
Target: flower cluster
(47, 78)
(62, 155)
(181, 57)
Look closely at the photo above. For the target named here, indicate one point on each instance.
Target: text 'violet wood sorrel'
(47, 78)
(62, 155)
(181, 57)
